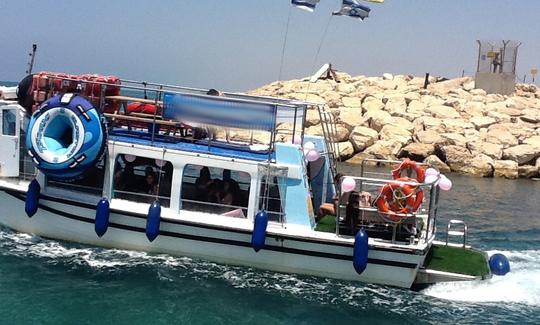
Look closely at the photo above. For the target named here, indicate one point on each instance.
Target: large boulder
(372, 103)
(443, 87)
(402, 123)
(351, 116)
(352, 101)
(480, 122)
(428, 137)
(416, 106)
(396, 105)
(479, 165)
(345, 150)
(455, 156)
(333, 99)
(454, 139)
(378, 119)
(521, 154)
(438, 163)
(489, 149)
(475, 109)
(441, 111)
(384, 149)
(359, 158)
(533, 141)
(456, 125)
(528, 171)
(312, 117)
(505, 168)
(417, 151)
(531, 115)
(362, 137)
(345, 88)
(391, 132)
(501, 135)
(478, 92)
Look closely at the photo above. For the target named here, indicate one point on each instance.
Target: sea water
(52, 282)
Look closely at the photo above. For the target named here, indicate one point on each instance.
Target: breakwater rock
(450, 124)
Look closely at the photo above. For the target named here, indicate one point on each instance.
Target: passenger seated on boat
(150, 186)
(202, 184)
(352, 211)
(230, 193)
(330, 208)
(127, 179)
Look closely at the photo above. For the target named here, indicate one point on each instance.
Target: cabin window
(215, 190)
(142, 179)
(90, 182)
(9, 117)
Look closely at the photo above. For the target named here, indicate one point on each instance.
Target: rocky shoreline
(451, 124)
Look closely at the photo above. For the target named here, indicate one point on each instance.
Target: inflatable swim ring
(66, 136)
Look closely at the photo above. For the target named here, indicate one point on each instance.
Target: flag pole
(284, 43)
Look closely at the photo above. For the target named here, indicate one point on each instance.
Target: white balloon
(430, 179)
(309, 146)
(431, 171)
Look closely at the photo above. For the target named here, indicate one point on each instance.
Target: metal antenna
(32, 58)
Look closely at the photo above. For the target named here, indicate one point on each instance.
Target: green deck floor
(327, 224)
(456, 260)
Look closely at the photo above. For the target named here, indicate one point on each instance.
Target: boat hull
(60, 219)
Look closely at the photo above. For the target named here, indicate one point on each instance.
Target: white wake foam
(521, 285)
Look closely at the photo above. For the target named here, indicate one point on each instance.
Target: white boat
(145, 186)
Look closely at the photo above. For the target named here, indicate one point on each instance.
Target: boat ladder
(456, 228)
(329, 132)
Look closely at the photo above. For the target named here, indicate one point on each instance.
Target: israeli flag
(308, 5)
(353, 8)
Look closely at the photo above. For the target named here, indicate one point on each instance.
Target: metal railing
(373, 185)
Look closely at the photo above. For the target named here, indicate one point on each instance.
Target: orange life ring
(395, 207)
(410, 164)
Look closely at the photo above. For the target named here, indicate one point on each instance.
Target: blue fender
(152, 221)
(360, 251)
(102, 217)
(258, 237)
(32, 198)
(499, 264)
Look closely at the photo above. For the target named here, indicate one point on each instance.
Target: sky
(236, 45)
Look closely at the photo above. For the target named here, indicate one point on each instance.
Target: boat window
(142, 179)
(8, 122)
(215, 190)
(90, 182)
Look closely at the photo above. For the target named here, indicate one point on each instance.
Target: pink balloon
(129, 158)
(297, 139)
(348, 184)
(313, 155)
(445, 184)
(160, 163)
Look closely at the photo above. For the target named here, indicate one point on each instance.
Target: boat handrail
(164, 88)
(381, 181)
